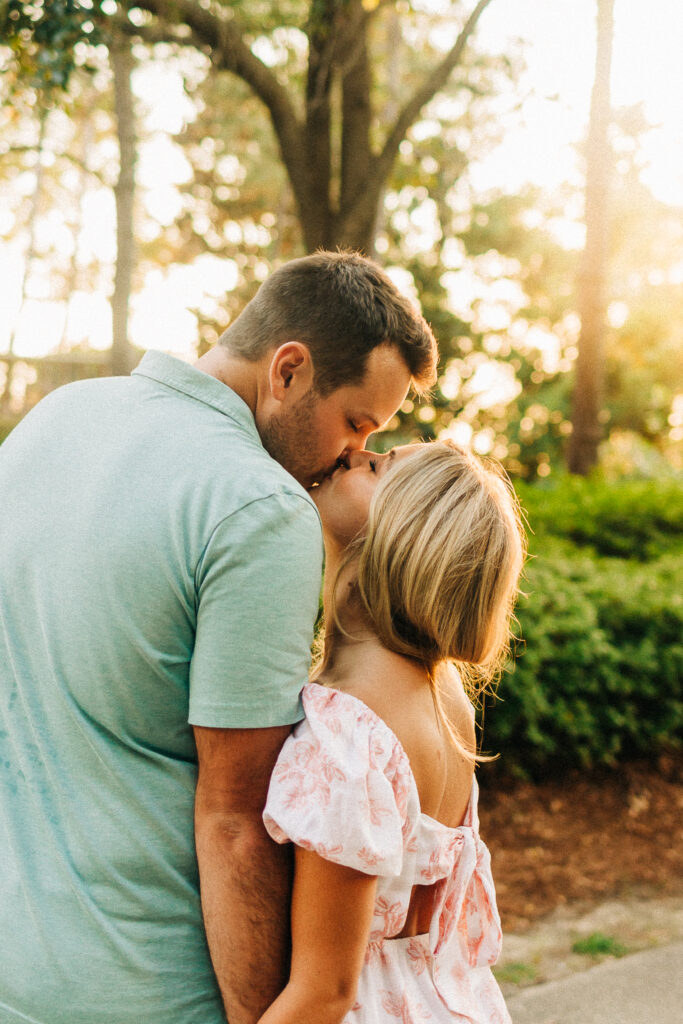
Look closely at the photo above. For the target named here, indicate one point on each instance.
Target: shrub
(634, 519)
(599, 673)
(599, 944)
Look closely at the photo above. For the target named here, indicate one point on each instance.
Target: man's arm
(245, 877)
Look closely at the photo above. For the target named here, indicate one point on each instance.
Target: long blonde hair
(437, 567)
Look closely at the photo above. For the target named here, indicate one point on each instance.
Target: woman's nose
(361, 458)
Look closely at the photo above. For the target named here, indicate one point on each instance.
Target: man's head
(338, 346)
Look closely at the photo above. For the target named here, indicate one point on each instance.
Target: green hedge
(634, 519)
(598, 677)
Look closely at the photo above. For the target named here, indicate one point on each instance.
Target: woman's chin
(315, 490)
(319, 489)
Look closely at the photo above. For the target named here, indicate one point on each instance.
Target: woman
(393, 907)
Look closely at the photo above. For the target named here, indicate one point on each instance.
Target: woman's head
(438, 558)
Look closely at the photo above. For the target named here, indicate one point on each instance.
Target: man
(159, 578)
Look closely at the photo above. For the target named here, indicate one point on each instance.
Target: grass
(517, 973)
(598, 944)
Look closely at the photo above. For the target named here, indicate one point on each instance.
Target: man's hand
(245, 877)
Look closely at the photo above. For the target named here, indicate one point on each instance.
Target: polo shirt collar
(183, 377)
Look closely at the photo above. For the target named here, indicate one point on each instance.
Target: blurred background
(517, 166)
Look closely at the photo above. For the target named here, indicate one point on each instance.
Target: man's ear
(290, 374)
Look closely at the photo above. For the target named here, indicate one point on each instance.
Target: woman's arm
(331, 917)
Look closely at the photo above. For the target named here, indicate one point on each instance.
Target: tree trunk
(590, 370)
(6, 395)
(87, 136)
(337, 33)
(356, 154)
(122, 65)
(315, 203)
(392, 62)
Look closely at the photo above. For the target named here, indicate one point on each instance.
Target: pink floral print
(343, 788)
(399, 1006)
(420, 958)
(393, 915)
(369, 858)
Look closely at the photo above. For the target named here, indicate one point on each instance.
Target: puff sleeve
(342, 786)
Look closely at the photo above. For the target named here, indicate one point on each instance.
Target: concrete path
(641, 988)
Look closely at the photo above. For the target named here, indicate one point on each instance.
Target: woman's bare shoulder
(394, 687)
(399, 691)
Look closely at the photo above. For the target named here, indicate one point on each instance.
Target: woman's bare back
(399, 691)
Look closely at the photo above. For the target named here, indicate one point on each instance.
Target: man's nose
(355, 442)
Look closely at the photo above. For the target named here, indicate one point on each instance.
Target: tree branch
(345, 32)
(370, 13)
(62, 155)
(358, 212)
(435, 81)
(223, 37)
(153, 34)
(229, 52)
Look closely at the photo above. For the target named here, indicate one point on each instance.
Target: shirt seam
(307, 504)
(200, 708)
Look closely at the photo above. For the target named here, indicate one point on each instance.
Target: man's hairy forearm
(245, 887)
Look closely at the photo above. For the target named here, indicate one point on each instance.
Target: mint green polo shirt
(157, 570)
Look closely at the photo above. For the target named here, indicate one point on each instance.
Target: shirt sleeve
(342, 787)
(258, 586)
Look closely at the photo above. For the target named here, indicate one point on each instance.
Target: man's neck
(239, 375)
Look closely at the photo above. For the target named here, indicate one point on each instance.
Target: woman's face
(343, 498)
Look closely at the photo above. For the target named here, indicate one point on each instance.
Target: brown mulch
(584, 838)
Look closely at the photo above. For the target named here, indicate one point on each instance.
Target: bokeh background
(516, 166)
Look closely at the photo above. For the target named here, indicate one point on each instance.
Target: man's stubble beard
(291, 439)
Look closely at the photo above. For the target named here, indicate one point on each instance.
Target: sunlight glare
(539, 145)
(457, 431)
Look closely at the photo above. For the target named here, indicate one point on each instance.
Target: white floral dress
(343, 787)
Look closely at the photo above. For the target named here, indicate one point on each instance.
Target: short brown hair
(342, 306)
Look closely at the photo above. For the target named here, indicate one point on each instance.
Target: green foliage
(634, 519)
(495, 273)
(598, 944)
(599, 675)
(237, 205)
(643, 356)
(600, 679)
(645, 362)
(526, 277)
(43, 40)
